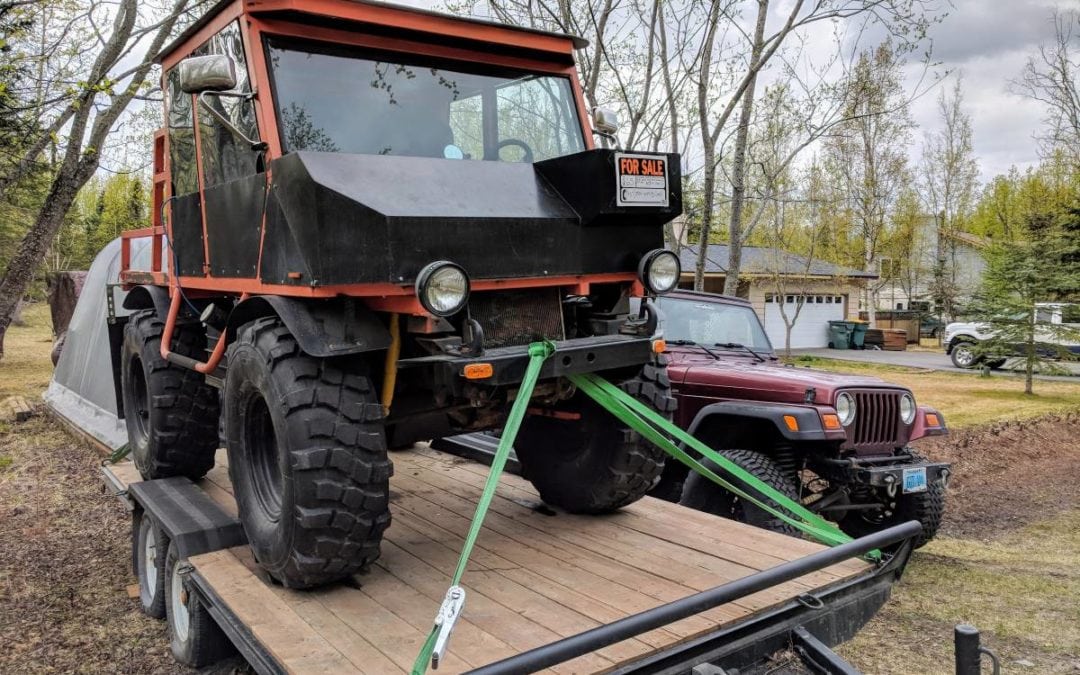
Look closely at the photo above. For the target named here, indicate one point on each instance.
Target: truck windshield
(712, 323)
(335, 99)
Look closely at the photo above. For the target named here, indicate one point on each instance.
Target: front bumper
(508, 364)
(883, 472)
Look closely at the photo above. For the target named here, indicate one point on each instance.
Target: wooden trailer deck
(535, 576)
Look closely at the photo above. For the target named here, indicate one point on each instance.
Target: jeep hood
(746, 378)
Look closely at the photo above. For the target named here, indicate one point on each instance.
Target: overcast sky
(989, 42)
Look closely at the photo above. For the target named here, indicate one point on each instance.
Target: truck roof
(316, 9)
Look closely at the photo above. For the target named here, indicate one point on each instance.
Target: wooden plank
(270, 619)
(126, 472)
(560, 619)
(736, 542)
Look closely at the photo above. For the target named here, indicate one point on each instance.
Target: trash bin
(858, 334)
(840, 334)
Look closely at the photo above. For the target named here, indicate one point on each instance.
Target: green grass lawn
(966, 400)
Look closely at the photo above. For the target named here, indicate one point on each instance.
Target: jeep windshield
(336, 99)
(713, 325)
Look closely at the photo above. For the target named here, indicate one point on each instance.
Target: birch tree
(122, 42)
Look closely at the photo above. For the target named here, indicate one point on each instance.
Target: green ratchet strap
(435, 645)
(660, 431)
(119, 453)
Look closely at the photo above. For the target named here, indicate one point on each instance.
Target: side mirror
(605, 121)
(215, 72)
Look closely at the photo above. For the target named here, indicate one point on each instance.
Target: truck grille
(518, 317)
(877, 419)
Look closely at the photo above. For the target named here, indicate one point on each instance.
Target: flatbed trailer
(537, 577)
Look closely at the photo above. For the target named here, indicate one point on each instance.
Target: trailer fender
(146, 297)
(807, 419)
(323, 328)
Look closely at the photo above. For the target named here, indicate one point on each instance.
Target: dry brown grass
(25, 368)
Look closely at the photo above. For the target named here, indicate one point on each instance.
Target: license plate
(915, 480)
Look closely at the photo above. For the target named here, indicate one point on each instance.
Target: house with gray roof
(786, 289)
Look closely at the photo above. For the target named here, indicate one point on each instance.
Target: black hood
(340, 218)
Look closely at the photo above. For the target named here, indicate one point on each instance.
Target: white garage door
(811, 328)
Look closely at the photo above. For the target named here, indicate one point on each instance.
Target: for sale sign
(642, 180)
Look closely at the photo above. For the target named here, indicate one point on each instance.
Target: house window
(768, 297)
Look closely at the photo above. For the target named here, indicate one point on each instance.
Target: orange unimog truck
(364, 216)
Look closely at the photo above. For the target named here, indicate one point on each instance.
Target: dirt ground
(65, 564)
(1008, 558)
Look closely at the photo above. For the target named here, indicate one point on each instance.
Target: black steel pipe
(616, 631)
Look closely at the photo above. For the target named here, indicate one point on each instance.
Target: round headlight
(845, 408)
(443, 288)
(907, 409)
(660, 270)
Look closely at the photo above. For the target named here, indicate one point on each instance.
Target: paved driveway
(929, 360)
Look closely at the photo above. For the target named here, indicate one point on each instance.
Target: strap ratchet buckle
(449, 612)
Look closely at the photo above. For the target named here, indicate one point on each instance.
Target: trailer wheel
(170, 412)
(702, 494)
(594, 463)
(148, 549)
(307, 457)
(194, 637)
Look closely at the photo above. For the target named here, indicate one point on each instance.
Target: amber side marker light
(659, 346)
(791, 422)
(478, 371)
(831, 421)
(932, 420)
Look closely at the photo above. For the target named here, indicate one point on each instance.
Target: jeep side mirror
(214, 72)
(605, 121)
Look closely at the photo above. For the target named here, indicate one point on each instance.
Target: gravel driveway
(928, 360)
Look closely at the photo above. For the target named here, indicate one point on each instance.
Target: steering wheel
(527, 158)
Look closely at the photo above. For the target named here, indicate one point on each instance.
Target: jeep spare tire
(307, 457)
(581, 458)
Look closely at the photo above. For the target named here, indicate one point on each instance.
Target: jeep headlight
(443, 288)
(907, 408)
(845, 408)
(660, 270)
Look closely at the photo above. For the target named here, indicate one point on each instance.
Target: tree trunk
(738, 178)
(34, 246)
(709, 187)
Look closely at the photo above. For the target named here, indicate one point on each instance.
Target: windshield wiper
(736, 345)
(691, 343)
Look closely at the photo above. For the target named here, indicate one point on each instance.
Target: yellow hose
(390, 374)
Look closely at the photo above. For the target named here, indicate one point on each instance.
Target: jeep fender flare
(808, 419)
(322, 328)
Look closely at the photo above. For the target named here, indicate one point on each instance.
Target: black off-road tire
(595, 464)
(926, 507)
(704, 495)
(307, 457)
(171, 413)
(198, 641)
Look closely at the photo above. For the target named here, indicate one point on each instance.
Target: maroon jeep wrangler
(838, 443)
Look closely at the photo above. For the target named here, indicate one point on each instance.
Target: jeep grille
(877, 420)
(518, 317)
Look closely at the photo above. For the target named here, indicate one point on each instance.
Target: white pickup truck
(962, 338)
